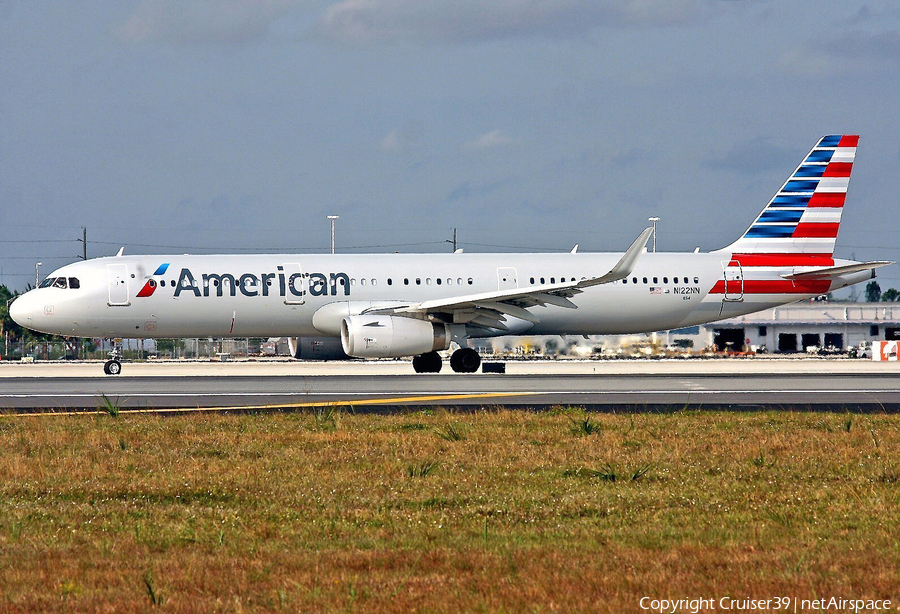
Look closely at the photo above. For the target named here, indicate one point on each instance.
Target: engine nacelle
(392, 336)
(316, 348)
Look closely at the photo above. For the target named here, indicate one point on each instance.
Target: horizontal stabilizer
(836, 271)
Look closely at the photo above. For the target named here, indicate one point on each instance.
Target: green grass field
(444, 512)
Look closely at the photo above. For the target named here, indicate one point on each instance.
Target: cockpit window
(61, 282)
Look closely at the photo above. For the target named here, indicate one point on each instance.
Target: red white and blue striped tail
(801, 221)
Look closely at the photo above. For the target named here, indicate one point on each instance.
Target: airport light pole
(37, 273)
(653, 219)
(332, 218)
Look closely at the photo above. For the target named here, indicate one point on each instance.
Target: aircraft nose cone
(22, 311)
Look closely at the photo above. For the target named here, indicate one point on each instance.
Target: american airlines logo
(150, 287)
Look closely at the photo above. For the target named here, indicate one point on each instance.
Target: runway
(835, 385)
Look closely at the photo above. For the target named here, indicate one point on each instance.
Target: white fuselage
(280, 295)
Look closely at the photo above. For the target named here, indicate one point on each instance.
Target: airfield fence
(132, 349)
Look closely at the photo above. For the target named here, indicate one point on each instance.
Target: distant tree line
(875, 295)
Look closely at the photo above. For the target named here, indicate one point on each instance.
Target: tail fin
(802, 219)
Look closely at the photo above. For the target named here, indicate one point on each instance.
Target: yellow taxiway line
(351, 403)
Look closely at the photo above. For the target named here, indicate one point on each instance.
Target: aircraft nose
(22, 310)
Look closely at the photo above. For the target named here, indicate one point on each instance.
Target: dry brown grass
(521, 513)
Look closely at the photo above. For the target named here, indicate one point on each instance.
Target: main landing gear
(113, 366)
(463, 360)
(427, 363)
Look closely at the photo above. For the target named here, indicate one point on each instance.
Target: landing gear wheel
(465, 360)
(429, 362)
(112, 367)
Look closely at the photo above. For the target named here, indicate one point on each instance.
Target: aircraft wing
(835, 271)
(489, 309)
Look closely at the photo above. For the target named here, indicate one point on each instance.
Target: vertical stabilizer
(801, 221)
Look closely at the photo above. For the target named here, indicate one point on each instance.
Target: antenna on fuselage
(121, 251)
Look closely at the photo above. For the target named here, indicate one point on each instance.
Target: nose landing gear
(113, 366)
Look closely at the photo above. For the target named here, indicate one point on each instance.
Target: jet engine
(391, 336)
(316, 348)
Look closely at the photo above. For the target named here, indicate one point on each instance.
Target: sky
(211, 126)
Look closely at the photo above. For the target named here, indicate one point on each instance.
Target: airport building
(798, 327)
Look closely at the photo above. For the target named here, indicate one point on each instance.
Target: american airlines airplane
(398, 305)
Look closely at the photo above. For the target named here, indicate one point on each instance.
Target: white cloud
(459, 21)
(391, 142)
(404, 137)
(851, 53)
(229, 22)
(752, 157)
(494, 138)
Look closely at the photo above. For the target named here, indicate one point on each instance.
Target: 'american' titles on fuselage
(251, 284)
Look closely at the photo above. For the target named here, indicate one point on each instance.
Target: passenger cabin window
(696, 280)
(471, 281)
(532, 281)
(665, 280)
(634, 280)
(656, 280)
(645, 280)
(390, 281)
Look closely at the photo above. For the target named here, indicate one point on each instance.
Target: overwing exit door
(507, 279)
(295, 284)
